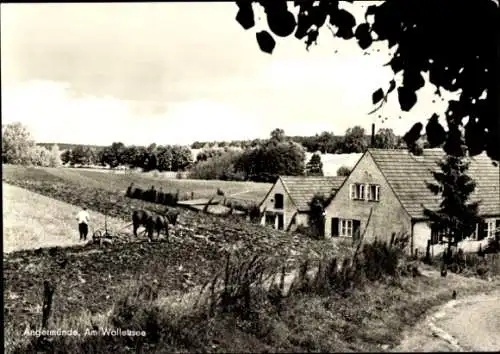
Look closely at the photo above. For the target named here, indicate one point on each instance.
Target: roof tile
(407, 175)
(302, 189)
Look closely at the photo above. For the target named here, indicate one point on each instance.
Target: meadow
(101, 286)
(120, 181)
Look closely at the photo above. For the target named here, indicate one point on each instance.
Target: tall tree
(182, 158)
(112, 155)
(278, 135)
(326, 142)
(455, 42)
(457, 216)
(354, 140)
(385, 139)
(17, 144)
(314, 167)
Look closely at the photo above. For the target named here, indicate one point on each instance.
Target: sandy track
(469, 324)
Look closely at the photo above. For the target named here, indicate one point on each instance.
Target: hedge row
(153, 196)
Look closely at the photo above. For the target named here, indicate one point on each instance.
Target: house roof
(407, 175)
(303, 189)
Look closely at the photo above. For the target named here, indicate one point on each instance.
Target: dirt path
(469, 324)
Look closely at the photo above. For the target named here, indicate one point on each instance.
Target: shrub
(343, 171)
(179, 175)
(170, 199)
(238, 289)
(138, 193)
(222, 167)
(254, 213)
(374, 261)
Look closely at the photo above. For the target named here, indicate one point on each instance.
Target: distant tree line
(355, 140)
(153, 157)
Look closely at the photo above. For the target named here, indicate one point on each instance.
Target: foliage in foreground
(254, 301)
(430, 37)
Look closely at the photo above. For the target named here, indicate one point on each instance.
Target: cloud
(53, 114)
(166, 73)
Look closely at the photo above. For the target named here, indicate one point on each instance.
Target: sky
(174, 73)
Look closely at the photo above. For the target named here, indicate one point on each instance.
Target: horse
(143, 218)
(154, 222)
(161, 222)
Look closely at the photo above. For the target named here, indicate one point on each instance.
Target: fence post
(48, 293)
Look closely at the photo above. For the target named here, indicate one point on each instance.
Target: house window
(357, 191)
(373, 192)
(487, 229)
(345, 227)
(490, 228)
(437, 235)
(278, 201)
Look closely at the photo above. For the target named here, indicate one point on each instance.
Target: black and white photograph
(251, 176)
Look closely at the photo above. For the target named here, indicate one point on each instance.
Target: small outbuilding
(286, 205)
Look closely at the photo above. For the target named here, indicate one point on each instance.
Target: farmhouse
(386, 193)
(286, 205)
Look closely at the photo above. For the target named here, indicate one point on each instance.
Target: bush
(220, 167)
(254, 213)
(343, 171)
(376, 261)
(239, 289)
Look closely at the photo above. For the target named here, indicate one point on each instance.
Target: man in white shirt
(83, 218)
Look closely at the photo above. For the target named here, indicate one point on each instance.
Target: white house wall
(288, 210)
(422, 233)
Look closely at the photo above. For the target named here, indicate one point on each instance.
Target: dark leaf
(363, 35)
(304, 23)
(312, 36)
(371, 10)
(396, 64)
(377, 96)
(245, 17)
(413, 80)
(266, 41)
(362, 31)
(475, 137)
(411, 137)
(281, 23)
(392, 86)
(435, 132)
(407, 98)
(345, 33)
(342, 19)
(365, 43)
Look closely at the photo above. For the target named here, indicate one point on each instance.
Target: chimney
(372, 144)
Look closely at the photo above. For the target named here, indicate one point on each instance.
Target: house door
(281, 222)
(270, 219)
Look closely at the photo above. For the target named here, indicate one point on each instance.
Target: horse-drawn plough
(106, 236)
